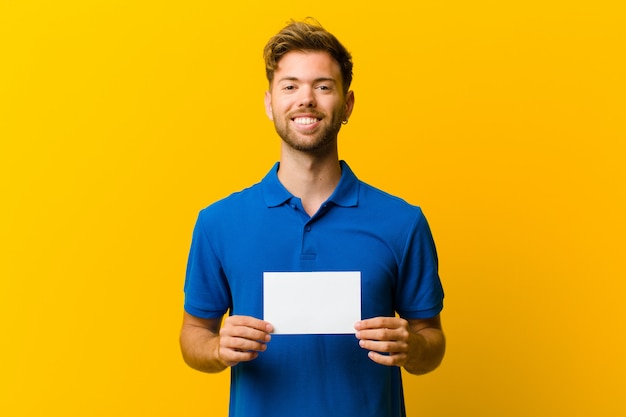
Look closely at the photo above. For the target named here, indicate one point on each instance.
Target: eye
(326, 88)
(289, 87)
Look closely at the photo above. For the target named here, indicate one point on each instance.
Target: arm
(418, 345)
(207, 348)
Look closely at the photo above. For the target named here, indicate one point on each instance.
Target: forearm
(426, 352)
(200, 349)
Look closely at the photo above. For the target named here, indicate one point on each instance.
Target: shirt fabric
(264, 228)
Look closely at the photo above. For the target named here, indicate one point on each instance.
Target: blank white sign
(312, 302)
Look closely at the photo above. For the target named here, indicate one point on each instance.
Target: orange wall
(503, 120)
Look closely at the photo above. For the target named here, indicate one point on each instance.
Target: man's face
(306, 101)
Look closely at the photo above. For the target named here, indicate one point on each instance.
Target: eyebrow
(317, 80)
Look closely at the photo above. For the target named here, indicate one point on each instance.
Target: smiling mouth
(305, 120)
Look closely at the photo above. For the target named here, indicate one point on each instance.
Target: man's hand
(417, 344)
(241, 338)
(208, 347)
(389, 335)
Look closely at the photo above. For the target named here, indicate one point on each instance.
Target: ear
(268, 105)
(349, 104)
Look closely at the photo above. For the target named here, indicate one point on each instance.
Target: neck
(312, 178)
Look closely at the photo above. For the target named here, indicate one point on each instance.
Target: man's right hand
(209, 345)
(241, 338)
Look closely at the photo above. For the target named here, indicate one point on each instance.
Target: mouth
(305, 120)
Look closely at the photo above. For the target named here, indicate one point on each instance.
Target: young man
(310, 213)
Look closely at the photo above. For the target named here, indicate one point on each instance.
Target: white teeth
(305, 120)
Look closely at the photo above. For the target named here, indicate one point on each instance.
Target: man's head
(307, 36)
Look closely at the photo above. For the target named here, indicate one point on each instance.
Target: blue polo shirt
(264, 228)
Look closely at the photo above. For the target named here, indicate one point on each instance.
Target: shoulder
(376, 199)
(232, 205)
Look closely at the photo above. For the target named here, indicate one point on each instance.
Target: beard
(316, 142)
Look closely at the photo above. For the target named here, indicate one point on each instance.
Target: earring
(344, 122)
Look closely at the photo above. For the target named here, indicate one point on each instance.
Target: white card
(312, 302)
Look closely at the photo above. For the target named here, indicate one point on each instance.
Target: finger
(233, 350)
(247, 321)
(232, 357)
(247, 328)
(243, 332)
(380, 323)
(392, 347)
(242, 345)
(375, 334)
(400, 334)
(387, 360)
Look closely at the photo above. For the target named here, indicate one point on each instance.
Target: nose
(307, 97)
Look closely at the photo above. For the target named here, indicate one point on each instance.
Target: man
(310, 213)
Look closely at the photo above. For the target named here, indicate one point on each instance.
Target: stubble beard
(317, 142)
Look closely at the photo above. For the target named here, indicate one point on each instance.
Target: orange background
(120, 120)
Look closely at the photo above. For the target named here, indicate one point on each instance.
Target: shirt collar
(346, 194)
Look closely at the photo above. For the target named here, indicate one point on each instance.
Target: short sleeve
(207, 293)
(419, 293)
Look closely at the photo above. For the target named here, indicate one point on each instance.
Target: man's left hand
(388, 339)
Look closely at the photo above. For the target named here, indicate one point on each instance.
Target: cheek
(280, 110)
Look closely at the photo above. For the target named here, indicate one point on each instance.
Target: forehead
(307, 64)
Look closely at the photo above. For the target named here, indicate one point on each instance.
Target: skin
(308, 85)
(307, 104)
